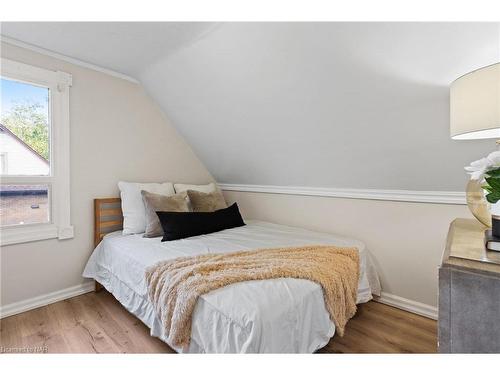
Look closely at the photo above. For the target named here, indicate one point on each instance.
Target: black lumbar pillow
(177, 225)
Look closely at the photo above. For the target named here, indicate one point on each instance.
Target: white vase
(477, 203)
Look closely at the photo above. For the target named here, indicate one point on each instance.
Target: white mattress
(274, 316)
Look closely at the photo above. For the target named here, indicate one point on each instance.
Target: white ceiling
(125, 47)
(356, 105)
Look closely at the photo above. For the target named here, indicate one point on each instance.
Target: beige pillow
(156, 202)
(206, 202)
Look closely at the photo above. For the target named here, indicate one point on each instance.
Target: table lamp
(475, 114)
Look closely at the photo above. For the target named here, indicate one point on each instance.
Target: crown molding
(68, 59)
(442, 197)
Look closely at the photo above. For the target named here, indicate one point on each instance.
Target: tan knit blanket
(175, 285)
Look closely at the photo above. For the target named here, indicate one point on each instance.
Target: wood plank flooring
(97, 323)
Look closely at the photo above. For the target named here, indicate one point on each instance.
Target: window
(34, 154)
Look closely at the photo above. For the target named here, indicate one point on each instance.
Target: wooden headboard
(108, 217)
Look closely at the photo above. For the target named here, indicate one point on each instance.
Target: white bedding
(274, 316)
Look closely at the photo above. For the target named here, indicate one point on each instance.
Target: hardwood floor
(378, 328)
(97, 323)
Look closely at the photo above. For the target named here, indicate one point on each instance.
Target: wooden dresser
(469, 292)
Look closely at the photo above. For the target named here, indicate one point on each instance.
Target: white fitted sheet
(274, 316)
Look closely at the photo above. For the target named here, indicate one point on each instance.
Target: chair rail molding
(440, 197)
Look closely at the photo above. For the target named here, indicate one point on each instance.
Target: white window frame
(58, 179)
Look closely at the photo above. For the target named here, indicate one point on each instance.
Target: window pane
(24, 204)
(24, 129)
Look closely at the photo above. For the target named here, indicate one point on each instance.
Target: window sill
(11, 236)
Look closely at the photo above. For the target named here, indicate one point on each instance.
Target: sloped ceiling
(125, 47)
(357, 105)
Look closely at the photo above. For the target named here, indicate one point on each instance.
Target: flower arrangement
(487, 172)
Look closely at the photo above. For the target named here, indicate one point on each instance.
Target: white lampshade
(475, 104)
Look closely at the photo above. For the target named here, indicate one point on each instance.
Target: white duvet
(267, 316)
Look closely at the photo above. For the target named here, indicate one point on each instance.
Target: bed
(267, 316)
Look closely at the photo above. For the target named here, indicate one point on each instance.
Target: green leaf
(488, 188)
(494, 173)
(494, 182)
(493, 197)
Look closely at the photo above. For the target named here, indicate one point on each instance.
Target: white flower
(478, 168)
(494, 159)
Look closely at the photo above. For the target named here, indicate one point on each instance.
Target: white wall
(117, 133)
(340, 105)
(405, 239)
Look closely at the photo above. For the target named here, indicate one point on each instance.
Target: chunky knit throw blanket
(175, 285)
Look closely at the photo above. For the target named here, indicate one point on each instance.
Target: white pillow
(209, 188)
(134, 213)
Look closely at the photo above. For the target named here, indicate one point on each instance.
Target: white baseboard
(45, 299)
(408, 305)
